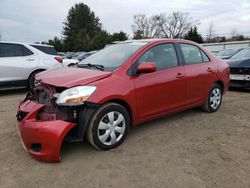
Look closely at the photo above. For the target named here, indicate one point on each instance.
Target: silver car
(20, 62)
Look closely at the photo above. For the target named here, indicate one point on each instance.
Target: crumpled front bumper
(41, 139)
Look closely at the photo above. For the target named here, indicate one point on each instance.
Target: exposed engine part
(45, 94)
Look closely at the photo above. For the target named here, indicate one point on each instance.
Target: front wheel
(214, 99)
(108, 126)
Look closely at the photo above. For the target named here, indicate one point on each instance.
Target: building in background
(216, 47)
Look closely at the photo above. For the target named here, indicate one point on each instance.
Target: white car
(20, 62)
(70, 62)
(67, 62)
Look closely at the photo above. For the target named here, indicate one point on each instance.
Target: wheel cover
(111, 128)
(215, 98)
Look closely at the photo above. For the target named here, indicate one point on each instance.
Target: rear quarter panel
(223, 72)
(48, 61)
(221, 68)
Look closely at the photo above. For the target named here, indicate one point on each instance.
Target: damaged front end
(43, 125)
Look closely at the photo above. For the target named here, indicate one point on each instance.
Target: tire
(31, 81)
(214, 99)
(103, 133)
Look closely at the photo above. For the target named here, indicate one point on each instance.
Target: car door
(16, 62)
(163, 90)
(199, 71)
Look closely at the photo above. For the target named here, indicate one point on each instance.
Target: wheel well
(71, 64)
(125, 105)
(220, 83)
(38, 70)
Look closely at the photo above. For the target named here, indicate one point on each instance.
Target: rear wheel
(32, 81)
(214, 99)
(108, 126)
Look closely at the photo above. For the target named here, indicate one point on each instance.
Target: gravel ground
(189, 149)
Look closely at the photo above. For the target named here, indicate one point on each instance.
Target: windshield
(245, 53)
(227, 52)
(113, 56)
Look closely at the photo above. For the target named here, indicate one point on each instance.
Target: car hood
(69, 77)
(235, 63)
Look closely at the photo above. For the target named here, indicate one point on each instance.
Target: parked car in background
(227, 53)
(66, 61)
(69, 62)
(69, 55)
(76, 54)
(114, 42)
(85, 55)
(76, 58)
(240, 69)
(20, 62)
(61, 54)
(118, 87)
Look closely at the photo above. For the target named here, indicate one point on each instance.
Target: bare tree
(145, 27)
(176, 25)
(211, 31)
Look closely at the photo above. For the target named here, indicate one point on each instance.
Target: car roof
(23, 43)
(45, 45)
(153, 40)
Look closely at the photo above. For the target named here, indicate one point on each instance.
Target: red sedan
(120, 86)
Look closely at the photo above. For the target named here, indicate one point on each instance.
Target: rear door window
(13, 50)
(50, 50)
(192, 54)
(26, 51)
(204, 56)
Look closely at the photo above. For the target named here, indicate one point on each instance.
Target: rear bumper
(41, 139)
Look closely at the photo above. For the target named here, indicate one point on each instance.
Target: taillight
(59, 59)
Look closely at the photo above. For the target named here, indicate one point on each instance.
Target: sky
(40, 20)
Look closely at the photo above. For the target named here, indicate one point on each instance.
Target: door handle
(30, 59)
(209, 69)
(179, 75)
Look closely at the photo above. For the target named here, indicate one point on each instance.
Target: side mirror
(146, 67)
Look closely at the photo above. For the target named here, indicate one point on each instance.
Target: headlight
(75, 96)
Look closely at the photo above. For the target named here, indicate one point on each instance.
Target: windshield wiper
(100, 67)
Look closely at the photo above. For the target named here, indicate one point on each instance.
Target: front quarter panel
(221, 68)
(115, 87)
